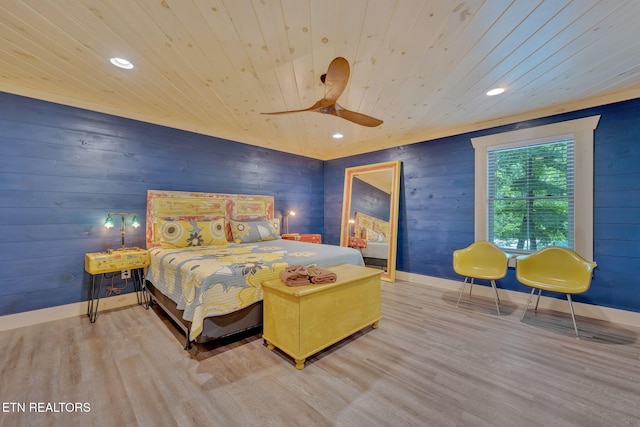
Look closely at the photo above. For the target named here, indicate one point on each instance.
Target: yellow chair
(481, 260)
(555, 269)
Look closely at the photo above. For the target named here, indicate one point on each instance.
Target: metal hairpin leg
(497, 298)
(538, 300)
(493, 285)
(94, 298)
(526, 307)
(462, 289)
(140, 288)
(573, 317)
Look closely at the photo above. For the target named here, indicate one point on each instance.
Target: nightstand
(357, 243)
(291, 236)
(113, 261)
(309, 238)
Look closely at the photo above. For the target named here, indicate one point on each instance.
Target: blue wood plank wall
(370, 200)
(63, 169)
(437, 196)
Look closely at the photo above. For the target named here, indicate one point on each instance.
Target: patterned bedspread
(207, 281)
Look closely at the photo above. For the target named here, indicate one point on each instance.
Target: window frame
(581, 131)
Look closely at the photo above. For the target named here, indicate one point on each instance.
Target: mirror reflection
(369, 214)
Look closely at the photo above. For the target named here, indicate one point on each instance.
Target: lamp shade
(135, 223)
(108, 222)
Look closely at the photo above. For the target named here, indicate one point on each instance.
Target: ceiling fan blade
(273, 113)
(357, 118)
(335, 81)
(314, 107)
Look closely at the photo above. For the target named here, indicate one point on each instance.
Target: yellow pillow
(181, 234)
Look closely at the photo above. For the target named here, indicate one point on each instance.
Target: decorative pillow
(375, 236)
(255, 231)
(181, 234)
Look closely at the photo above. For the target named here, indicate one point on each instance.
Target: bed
(375, 233)
(209, 254)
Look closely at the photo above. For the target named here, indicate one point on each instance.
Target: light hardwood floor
(429, 364)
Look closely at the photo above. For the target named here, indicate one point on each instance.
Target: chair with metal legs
(480, 260)
(555, 269)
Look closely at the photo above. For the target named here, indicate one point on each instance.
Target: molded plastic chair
(555, 269)
(481, 260)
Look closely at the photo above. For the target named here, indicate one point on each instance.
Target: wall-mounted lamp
(286, 220)
(351, 224)
(135, 223)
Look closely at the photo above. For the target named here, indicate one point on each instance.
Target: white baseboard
(28, 318)
(13, 321)
(622, 317)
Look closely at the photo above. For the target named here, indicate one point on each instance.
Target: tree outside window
(530, 196)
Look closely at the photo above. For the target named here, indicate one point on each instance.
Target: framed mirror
(370, 214)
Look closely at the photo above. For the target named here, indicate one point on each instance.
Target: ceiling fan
(335, 81)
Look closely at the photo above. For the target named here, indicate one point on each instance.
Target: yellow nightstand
(102, 263)
(302, 320)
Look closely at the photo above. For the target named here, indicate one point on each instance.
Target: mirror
(370, 214)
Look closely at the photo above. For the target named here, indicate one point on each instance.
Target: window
(534, 187)
(530, 196)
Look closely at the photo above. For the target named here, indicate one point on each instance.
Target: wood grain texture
(63, 169)
(427, 364)
(437, 202)
(422, 66)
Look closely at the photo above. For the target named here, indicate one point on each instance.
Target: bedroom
(64, 168)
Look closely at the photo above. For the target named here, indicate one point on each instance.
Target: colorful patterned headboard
(364, 222)
(190, 206)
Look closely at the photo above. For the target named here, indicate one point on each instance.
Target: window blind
(530, 198)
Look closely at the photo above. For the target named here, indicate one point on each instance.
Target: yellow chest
(303, 320)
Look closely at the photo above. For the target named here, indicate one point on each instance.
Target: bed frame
(190, 206)
(214, 327)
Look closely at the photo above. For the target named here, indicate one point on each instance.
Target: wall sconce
(108, 223)
(286, 220)
(351, 225)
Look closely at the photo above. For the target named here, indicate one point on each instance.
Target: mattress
(376, 250)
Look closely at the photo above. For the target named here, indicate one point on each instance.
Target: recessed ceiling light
(337, 135)
(122, 63)
(496, 91)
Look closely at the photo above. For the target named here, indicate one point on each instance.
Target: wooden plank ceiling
(422, 66)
